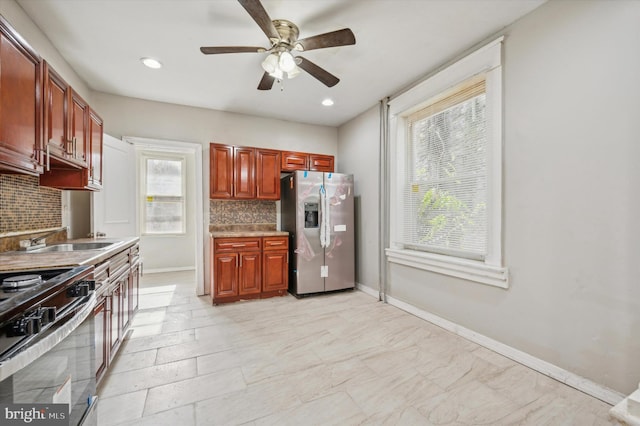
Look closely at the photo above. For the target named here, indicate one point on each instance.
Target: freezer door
(340, 253)
(308, 254)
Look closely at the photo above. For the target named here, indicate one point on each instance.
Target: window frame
(144, 157)
(488, 61)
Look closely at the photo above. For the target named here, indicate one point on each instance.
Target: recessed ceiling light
(151, 63)
(327, 102)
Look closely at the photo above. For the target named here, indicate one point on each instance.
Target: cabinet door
(20, 104)
(220, 171)
(56, 95)
(134, 288)
(124, 311)
(225, 279)
(96, 127)
(115, 317)
(276, 271)
(101, 337)
(267, 174)
(249, 276)
(244, 177)
(292, 161)
(78, 124)
(321, 163)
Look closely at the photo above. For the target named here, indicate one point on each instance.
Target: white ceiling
(397, 42)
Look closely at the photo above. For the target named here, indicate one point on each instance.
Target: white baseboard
(179, 269)
(370, 291)
(585, 385)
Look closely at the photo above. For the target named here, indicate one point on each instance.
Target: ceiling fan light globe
(277, 74)
(287, 62)
(270, 64)
(293, 73)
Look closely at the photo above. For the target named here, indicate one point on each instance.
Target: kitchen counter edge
(13, 261)
(240, 234)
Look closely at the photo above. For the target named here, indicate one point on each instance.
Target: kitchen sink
(74, 247)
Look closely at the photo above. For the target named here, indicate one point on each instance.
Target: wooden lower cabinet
(225, 275)
(249, 268)
(117, 288)
(249, 273)
(101, 336)
(276, 271)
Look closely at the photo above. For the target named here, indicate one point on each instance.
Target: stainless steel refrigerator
(317, 211)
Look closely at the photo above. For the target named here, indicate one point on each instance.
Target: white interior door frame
(196, 150)
(113, 208)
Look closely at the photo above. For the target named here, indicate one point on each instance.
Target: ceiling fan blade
(321, 74)
(267, 82)
(343, 37)
(257, 12)
(212, 50)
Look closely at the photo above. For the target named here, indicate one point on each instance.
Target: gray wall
(359, 155)
(571, 232)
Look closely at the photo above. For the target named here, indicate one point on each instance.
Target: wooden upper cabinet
(65, 124)
(56, 96)
(220, 171)
(321, 163)
(96, 132)
(78, 127)
(292, 161)
(20, 104)
(267, 174)
(244, 173)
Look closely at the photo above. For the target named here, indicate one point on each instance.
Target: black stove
(47, 341)
(32, 300)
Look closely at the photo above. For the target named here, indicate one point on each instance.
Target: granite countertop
(238, 234)
(16, 261)
(246, 230)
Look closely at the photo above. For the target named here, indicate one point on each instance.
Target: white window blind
(164, 203)
(445, 196)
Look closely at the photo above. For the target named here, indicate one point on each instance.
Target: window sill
(461, 268)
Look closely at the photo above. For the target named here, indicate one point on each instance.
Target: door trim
(202, 235)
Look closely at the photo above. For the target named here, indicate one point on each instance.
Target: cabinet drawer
(275, 243)
(321, 163)
(221, 245)
(291, 161)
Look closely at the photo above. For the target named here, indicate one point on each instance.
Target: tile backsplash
(228, 212)
(24, 205)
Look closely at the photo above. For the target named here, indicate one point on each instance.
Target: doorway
(126, 181)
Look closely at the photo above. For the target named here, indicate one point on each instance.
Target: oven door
(57, 368)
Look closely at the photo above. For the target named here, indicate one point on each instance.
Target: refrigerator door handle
(327, 220)
(323, 231)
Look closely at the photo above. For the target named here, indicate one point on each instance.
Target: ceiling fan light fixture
(287, 63)
(151, 63)
(277, 73)
(270, 64)
(327, 102)
(293, 73)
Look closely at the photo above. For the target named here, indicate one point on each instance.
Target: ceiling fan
(283, 36)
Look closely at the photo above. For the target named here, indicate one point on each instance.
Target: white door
(114, 208)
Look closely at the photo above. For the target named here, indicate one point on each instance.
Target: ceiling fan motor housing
(288, 32)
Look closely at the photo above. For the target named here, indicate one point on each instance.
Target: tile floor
(342, 359)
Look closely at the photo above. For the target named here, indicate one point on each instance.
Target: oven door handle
(42, 346)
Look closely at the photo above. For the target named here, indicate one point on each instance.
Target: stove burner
(21, 281)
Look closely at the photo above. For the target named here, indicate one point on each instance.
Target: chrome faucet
(38, 240)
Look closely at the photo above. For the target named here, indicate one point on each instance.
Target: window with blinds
(445, 198)
(164, 201)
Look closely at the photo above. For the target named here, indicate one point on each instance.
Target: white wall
(135, 117)
(359, 154)
(571, 232)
